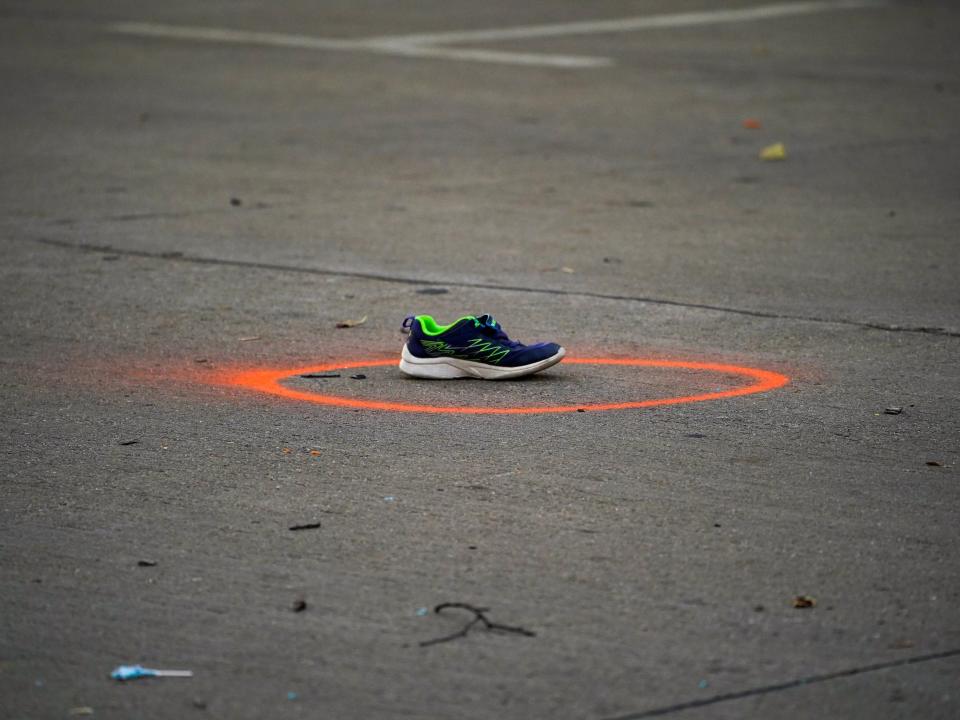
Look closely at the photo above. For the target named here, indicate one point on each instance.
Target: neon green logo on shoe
(476, 349)
(490, 352)
(438, 346)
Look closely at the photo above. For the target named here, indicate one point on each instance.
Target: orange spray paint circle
(268, 380)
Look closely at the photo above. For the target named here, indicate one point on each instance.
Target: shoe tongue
(487, 320)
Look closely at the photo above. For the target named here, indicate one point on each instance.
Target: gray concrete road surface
(189, 190)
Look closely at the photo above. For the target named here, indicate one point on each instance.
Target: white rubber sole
(447, 368)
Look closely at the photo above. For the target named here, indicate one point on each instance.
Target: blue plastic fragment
(132, 672)
(291, 695)
(422, 611)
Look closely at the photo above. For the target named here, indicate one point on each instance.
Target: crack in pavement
(276, 267)
(234, 208)
(800, 682)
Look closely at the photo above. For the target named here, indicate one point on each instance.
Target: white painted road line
(436, 45)
(644, 22)
(390, 47)
(382, 46)
(180, 32)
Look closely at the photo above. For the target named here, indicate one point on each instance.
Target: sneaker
(471, 347)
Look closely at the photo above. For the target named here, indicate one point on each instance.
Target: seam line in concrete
(276, 267)
(800, 682)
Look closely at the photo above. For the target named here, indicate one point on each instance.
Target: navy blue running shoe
(471, 347)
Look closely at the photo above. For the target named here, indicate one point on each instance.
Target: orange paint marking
(268, 380)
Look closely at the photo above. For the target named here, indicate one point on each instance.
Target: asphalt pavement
(193, 192)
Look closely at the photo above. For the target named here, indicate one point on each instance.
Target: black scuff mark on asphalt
(306, 526)
(479, 618)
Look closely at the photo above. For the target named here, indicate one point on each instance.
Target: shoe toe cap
(536, 353)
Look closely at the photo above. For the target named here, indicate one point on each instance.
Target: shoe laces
(487, 325)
